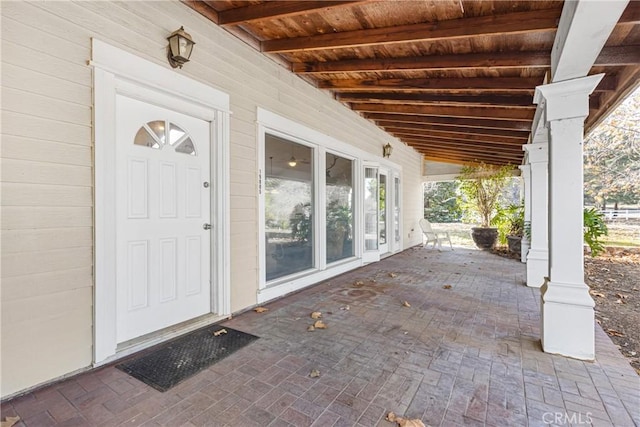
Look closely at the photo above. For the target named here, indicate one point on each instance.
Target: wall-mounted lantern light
(386, 150)
(180, 47)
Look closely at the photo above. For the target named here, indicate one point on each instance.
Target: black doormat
(183, 357)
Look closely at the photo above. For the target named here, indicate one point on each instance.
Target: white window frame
(269, 122)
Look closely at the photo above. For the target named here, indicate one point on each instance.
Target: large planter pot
(484, 238)
(515, 244)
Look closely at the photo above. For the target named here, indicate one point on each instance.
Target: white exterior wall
(47, 163)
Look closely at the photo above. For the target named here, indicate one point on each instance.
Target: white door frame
(116, 71)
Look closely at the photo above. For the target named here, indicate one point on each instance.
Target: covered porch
(468, 354)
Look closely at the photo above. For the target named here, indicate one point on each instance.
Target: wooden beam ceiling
(425, 97)
(453, 121)
(455, 83)
(496, 113)
(511, 23)
(520, 136)
(610, 56)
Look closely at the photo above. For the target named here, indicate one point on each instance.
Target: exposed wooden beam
(462, 148)
(425, 97)
(480, 155)
(476, 139)
(452, 121)
(519, 136)
(511, 23)
(276, 9)
(495, 113)
(465, 160)
(499, 84)
(609, 56)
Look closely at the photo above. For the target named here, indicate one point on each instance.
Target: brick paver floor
(465, 355)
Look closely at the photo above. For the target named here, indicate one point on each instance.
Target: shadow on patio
(464, 355)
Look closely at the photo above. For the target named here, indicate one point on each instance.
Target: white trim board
(116, 71)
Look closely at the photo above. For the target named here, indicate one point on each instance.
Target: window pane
(157, 128)
(339, 190)
(288, 207)
(175, 133)
(370, 209)
(382, 220)
(186, 147)
(144, 138)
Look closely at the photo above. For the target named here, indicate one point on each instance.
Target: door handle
(206, 226)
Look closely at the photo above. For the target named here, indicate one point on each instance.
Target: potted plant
(514, 227)
(482, 186)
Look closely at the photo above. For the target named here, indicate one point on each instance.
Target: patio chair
(435, 236)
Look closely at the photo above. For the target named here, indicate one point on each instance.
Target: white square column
(538, 255)
(567, 307)
(525, 171)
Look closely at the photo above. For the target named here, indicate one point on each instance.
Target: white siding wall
(47, 175)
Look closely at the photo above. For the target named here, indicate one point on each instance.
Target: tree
(612, 157)
(483, 187)
(440, 202)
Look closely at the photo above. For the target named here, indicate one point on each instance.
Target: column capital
(537, 153)
(566, 99)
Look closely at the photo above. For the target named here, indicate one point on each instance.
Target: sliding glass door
(339, 198)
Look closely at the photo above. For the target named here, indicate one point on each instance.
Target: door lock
(205, 184)
(206, 226)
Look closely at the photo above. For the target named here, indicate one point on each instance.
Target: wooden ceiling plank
(458, 161)
(467, 144)
(470, 154)
(453, 121)
(502, 84)
(277, 9)
(425, 97)
(519, 136)
(511, 23)
(609, 56)
(484, 139)
(430, 62)
(495, 113)
(476, 149)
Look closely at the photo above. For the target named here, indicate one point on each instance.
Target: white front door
(162, 199)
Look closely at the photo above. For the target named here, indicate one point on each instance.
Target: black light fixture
(180, 47)
(386, 150)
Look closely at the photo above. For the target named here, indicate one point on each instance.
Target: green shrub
(594, 229)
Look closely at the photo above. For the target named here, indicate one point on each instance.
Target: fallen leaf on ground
(446, 287)
(597, 294)
(320, 325)
(406, 304)
(404, 422)
(260, 309)
(619, 301)
(311, 328)
(392, 275)
(316, 315)
(358, 284)
(220, 332)
(314, 373)
(9, 421)
(614, 333)
(346, 307)
(622, 296)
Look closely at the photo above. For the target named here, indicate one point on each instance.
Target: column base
(537, 267)
(568, 320)
(524, 249)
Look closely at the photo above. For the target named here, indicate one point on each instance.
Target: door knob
(206, 226)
